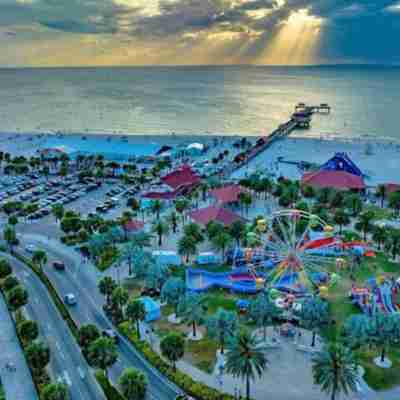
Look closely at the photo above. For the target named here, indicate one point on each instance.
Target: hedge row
(37, 380)
(193, 388)
(109, 390)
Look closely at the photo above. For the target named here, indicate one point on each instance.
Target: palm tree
(106, 286)
(173, 348)
(39, 258)
(364, 223)
(222, 326)
(187, 247)
(341, 218)
(379, 235)
(392, 242)
(173, 221)
(181, 205)
(221, 241)
(354, 202)
(161, 229)
(245, 200)
(156, 207)
(381, 193)
(136, 312)
(335, 370)
(246, 358)
(192, 308)
(133, 384)
(394, 201)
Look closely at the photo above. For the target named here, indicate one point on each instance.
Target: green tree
(161, 229)
(193, 309)
(10, 237)
(10, 282)
(262, 311)
(194, 230)
(173, 221)
(156, 207)
(187, 247)
(58, 211)
(381, 193)
(87, 334)
(246, 358)
(222, 326)
(221, 242)
(28, 331)
(17, 298)
(38, 356)
(335, 370)
(245, 201)
(394, 201)
(181, 205)
(392, 242)
(55, 391)
(313, 314)
(119, 298)
(133, 384)
(365, 223)
(237, 230)
(102, 353)
(13, 220)
(354, 203)
(106, 287)
(173, 348)
(341, 218)
(39, 258)
(172, 291)
(379, 235)
(136, 312)
(5, 268)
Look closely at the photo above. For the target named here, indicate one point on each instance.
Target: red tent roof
(333, 179)
(392, 187)
(227, 194)
(134, 225)
(183, 176)
(216, 214)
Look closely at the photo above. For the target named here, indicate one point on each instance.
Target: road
(67, 363)
(11, 352)
(81, 280)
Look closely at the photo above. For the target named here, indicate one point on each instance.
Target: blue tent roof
(341, 162)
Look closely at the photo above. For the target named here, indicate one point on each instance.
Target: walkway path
(17, 384)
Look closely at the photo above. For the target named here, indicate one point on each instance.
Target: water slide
(201, 281)
(384, 294)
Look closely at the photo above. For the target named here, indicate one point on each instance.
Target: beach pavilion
(339, 180)
(214, 213)
(227, 195)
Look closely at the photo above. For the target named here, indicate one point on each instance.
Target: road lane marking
(67, 379)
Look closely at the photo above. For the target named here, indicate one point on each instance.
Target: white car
(70, 299)
(30, 248)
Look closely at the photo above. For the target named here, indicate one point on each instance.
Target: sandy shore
(378, 159)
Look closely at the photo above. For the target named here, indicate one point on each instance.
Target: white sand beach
(379, 160)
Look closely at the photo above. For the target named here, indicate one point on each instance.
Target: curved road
(81, 280)
(67, 362)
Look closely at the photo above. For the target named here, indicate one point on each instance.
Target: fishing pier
(300, 119)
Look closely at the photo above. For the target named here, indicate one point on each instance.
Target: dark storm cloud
(359, 29)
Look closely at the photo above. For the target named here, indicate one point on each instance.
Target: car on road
(70, 299)
(111, 334)
(30, 248)
(58, 265)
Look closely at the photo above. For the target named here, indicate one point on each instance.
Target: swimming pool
(115, 149)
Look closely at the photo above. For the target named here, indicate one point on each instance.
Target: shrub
(109, 390)
(5, 268)
(10, 282)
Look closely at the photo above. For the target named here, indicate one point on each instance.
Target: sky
(197, 32)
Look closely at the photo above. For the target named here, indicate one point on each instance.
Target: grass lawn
(380, 213)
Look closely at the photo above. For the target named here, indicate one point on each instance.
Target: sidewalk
(17, 384)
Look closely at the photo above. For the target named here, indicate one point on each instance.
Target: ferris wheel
(301, 244)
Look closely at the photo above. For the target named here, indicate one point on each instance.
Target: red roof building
(134, 226)
(181, 177)
(392, 187)
(340, 180)
(216, 214)
(227, 194)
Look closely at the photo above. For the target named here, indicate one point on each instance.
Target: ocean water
(237, 100)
